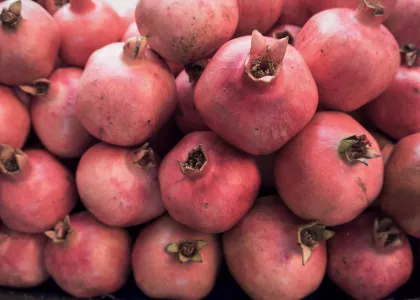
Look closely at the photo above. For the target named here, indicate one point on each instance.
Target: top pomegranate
(352, 57)
(186, 31)
(29, 40)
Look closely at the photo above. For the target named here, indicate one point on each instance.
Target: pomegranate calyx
(135, 47)
(278, 35)
(264, 62)
(196, 160)
(11, 16)
(144, 157)
(61, 231)
(12, 160)
(357, 148)
(195, 69)
(386, 234)
(38, 87)
(409, 53)
(310, 236)
(187, 251)
(375, 6)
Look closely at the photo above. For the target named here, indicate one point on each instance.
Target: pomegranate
(397, 110)
(262, 252)
(85, 26)
(132, 31)
(294, 12)
(331, 171)
(385, 144)
(126, 196)
(352, 57)
(87, 258)
(257, 15)
(189, 30)
(185, 262)
(51, 5)
(14, 119)
(256, 93)
(401, 192)
(125, 10)
(187, 117)
(126, 93)
(282, 31)
(53, 113)
(369, 257)
(206, 184)
(26, 25)
(35, 190)
(21, 259)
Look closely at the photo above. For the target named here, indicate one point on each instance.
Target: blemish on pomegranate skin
(416, 90)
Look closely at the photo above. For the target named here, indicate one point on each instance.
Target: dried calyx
(144, 157)
(375, 6)
(196, 160)
(194, 70)
(10, 16)
(135, 47)
(61, 231)
(187, 251)
(11, 160)
(278, 35)
(409, 54)
(39, 87)
(357, 148)
(386, 234)
(264, 61)
(310, 236)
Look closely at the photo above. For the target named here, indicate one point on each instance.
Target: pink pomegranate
(85, 26)
(21, 259)
(257, 15)
(35, 190)
(125, 10)
(53, 113)
(187, 117)
(256, 93)
(189, 30)
(26, 25)
(294, 12)
(126, 93)
(352, 57)
(282, 31)
(262, 252)
(87, 258)
(331, 171)
(397, 110)
(401, 193)
(14, 119)
(126, 196)
(369, 257)
(206, 184)
(51, 5)
(185, 262)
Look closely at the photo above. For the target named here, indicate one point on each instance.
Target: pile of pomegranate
(165, 141)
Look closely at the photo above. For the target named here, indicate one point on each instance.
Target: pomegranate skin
(125, 196)
(267, 236)
(256, 117)
(397, 110)
(14, 119)
(227, 185)
(316, 183)
(404, 22)
(385, 144)
(54, 116)
(36, 27)
(352, 57)
(125, 10)
(187, 31)
(281, 31)
(294, 12)
(260, 15)
(187, 117)
(21, 259)
(362, 270)
(35, 199)
(131, 31)
(93, 261)
(131, 96)
(400, 197)
(85, 27)
(151, 263)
